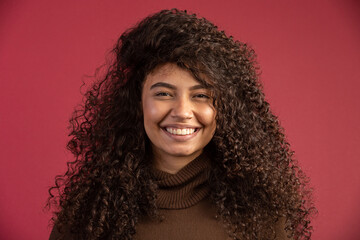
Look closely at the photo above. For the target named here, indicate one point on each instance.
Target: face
(179, 117)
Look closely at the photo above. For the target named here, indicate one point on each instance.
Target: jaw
(175, 160)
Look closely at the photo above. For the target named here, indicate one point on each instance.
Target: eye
(162, 94)
(202, 96)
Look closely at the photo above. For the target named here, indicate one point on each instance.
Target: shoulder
(281, 233)
(63, 233)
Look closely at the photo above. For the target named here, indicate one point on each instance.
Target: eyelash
(162, 94)
(165, 94)
(202, 96)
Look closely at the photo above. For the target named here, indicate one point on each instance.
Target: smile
(181, 131)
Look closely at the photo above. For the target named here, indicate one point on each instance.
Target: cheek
(207, 116)
(152, 112)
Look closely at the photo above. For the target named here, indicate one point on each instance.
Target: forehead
(170, 73)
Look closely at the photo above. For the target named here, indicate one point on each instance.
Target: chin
(183, 153)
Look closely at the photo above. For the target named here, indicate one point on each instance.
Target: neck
(172, 164)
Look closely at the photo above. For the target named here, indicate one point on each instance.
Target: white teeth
(181, 131)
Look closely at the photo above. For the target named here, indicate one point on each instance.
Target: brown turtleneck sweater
(187, 212)
(183, 203)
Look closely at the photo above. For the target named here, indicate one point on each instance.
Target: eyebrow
(170, 86)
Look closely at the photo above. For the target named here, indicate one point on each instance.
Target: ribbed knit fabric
(185, 188)
(187, 212)
(183, 203)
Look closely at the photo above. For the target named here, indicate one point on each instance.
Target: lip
(180, 138)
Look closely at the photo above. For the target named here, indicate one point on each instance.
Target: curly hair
(255, 180)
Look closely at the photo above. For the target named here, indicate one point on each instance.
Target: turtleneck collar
(185, 188)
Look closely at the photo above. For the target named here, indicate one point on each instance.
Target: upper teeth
(181, 131)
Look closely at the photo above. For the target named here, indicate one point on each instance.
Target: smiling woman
(178, 142)
(179, 117)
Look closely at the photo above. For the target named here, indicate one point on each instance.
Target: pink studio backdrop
(309, 52)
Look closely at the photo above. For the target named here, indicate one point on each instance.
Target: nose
(182, 109)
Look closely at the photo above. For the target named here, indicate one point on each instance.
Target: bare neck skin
(172, 164)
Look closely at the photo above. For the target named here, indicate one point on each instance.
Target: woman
(178, 142)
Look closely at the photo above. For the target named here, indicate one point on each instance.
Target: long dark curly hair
(255, 180)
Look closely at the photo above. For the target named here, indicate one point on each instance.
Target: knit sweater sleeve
(281, 234)
(64, 234)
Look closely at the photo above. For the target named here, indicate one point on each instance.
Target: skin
(173, 99)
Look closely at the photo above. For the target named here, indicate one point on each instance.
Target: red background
(310, 57)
